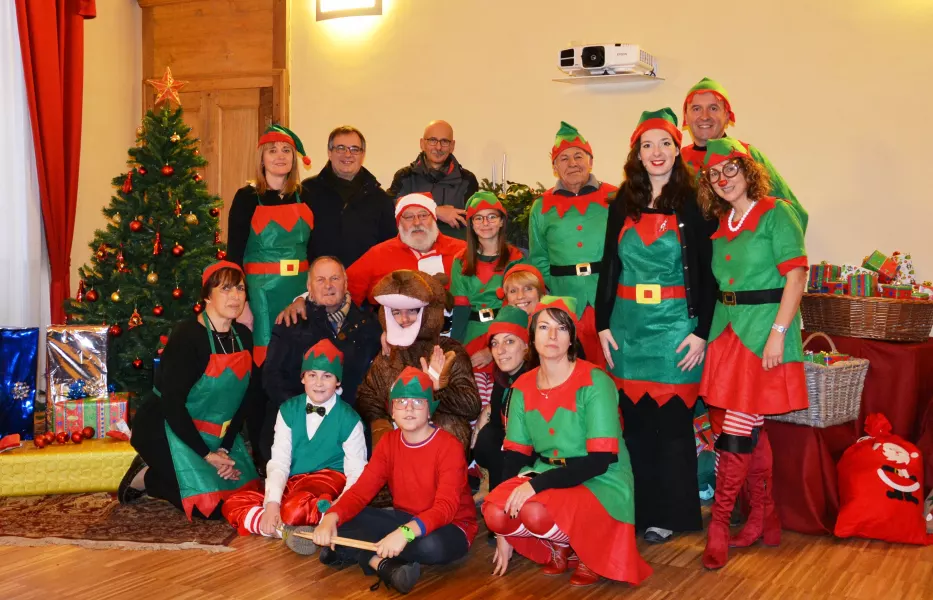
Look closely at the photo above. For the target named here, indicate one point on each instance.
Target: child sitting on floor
(318, 451)
(433, 519)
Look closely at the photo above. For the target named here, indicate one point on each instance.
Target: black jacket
(697, 256)
(358, 339)
(349, 217)
(501, 393)
(450, 186)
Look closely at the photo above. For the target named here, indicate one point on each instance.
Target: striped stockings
(252, 520)
(739, 424)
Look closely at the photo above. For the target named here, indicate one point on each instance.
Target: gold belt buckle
(223, 429)
(560, 462)
(289, 268)
(584, 269)
(728, 298)
(486, 314)
(648, 293)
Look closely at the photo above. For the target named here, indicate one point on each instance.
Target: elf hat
(723, 149)
(569, 137)
(324, 356)
(414, 383)
(277, 133)
(422, 199)
(510, 319)
(657, 119)
(216, 266)
(564, 303)
(482, 200)
(714, 87)
(516, 268)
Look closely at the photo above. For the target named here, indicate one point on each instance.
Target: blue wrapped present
(18, 364)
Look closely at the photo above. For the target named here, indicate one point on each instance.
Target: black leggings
(443, 545)
(489, 454)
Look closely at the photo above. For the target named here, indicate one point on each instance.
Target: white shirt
(279, 467)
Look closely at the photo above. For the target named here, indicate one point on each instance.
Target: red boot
(562, 559)
(733, 468)
(583, 576)
(763, 521)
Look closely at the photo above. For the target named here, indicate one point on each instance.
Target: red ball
(197, 177)
(178, 250)
(159, 351)
(215, 212)
(163, 339)
(61, 437)
(115, 330)
(177, 293)
(221, 255)
(197, 308)
(168, 170)
(87, 433)
(158, 310)
(141, 170)
(49, 437)
(135, 225)
(91, 295)
(138, 363)
(76, 437)
(39, 441)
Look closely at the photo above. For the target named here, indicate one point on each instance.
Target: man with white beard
(419, 246)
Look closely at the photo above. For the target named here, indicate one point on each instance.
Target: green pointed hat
(414, 383)
(482, 200)
(277, 133)
(714, 87)
(723, 149)
(657, 119)
(569, 137)
(510, 319)
(324, 356)
(567, 304)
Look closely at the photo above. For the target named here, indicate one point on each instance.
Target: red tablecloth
(899, 384)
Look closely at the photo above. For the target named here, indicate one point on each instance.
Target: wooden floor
(802, 567)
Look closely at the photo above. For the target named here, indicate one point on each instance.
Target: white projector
(607, 59)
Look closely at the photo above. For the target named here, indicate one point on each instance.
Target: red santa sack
(881, 488)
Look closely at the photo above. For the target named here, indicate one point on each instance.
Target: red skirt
(603, 544)
(733, 379)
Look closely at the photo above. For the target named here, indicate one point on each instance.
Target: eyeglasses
(341, 149)
(730, 170)
(491, 219)
(406, 402)
(422, 216)
(444, 142)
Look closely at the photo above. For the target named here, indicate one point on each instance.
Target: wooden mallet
(342, 541)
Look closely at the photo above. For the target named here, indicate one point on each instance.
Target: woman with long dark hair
(654, 306)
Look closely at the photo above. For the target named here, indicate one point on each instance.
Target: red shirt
(427, 481)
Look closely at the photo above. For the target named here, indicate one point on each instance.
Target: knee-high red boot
(763, 521)
(734, 460)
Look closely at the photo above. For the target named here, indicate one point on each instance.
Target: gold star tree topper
(167, 87)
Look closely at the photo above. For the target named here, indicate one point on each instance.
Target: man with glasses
(438, 172)
(352, 213)
(419, 246)
(707, 114)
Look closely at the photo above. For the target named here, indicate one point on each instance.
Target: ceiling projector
(607, 59)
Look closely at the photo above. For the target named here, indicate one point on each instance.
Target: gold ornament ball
(153, 278)
(115, 297)
(140, 130)
(191, 219)
(175, 137)
(117, 218)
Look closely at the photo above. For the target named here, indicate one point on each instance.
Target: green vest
(325, 449)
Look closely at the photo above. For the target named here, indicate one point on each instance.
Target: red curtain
(51, 35)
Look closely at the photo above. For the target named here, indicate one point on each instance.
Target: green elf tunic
(579, 416)
(758, 256)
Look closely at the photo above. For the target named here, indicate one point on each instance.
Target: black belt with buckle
(483, 315)
(560, 462)
(772, 296)
(579, 269)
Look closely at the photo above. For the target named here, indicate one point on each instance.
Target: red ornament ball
(39, 441)
(197, 308)
(49, 437)
(77, 437)
(159, 351)
(61, 437)
(221, 255)
(177, 293)
(163, 339)
(135, 225)
(168, 170)
(91, 295)
(141, 170)
(138, 363)
(115, 330)
(178, 250)
(215, 212)
(158, 310)
(197, 177)
(87, 433)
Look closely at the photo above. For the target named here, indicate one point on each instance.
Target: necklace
(220, 336)
(742, 220)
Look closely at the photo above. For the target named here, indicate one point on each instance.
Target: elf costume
(751, 259)
(566, 233)
(319, 450)
(657, 288)
(583, 510)
(476, 301)
(694, 155)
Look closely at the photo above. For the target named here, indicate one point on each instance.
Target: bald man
(438, 172)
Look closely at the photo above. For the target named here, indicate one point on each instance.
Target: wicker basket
(874, 318)
(835, 391)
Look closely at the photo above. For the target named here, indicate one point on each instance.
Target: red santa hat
(423, 199)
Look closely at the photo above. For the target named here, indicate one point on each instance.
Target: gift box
(863, 284)
(852, 270)
(102, 414)
(77, 362)
(920, 296)
(703, 433)
(820, 275)
(839, 287)
(905, 269)
(885, 266)
(900, 292)
(19, 349)
(825, 358)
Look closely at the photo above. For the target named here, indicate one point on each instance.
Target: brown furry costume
(459, 400)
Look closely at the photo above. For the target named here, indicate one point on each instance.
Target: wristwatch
(779, 328)
(408, 533)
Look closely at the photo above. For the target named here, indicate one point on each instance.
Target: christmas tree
(145, 273)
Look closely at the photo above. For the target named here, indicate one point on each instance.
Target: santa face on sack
(896, 477)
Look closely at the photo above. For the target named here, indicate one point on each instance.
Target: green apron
(275, 262)
(212, 402)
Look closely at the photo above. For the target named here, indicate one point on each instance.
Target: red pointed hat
(564, 303)
(516, 268)
(214, 267)
(657, 119)
(707, 85)
(324, 356)
(723, 149)
(277, 133)
(482, 200)
(569, 137)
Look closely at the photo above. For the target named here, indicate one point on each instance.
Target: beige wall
(112, 72)
(837, 97)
